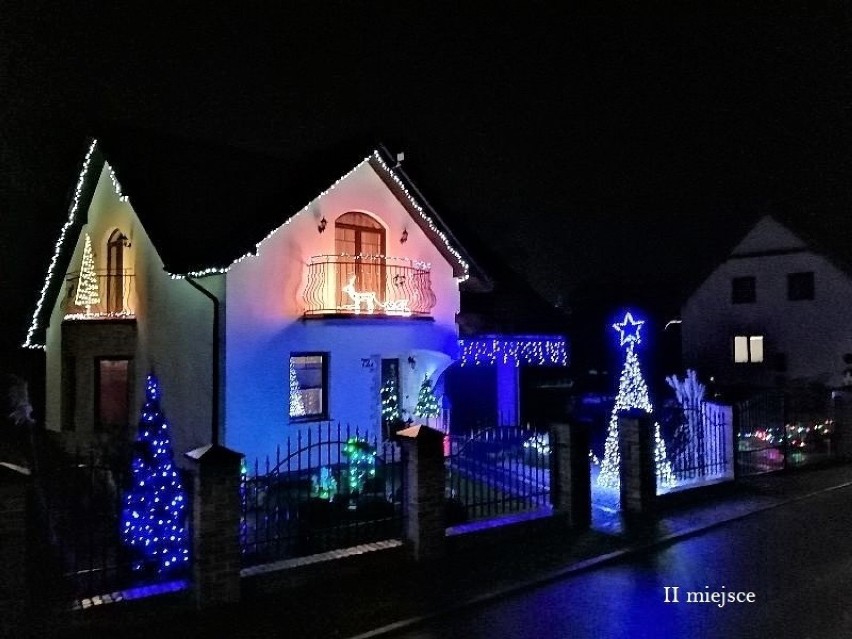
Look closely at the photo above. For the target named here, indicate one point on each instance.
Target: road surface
(796, 559)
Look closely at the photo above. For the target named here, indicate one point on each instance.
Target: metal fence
(329, 487)
(699, 445)
(81, 502)
(496, 471)
(779, 430)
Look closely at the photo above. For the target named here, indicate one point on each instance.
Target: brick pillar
(14, 583)
(570, 478)
(216, 525)
(637, 471)
(425, 526)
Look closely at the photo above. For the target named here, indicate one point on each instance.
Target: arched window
(359, 240)
(116, 244)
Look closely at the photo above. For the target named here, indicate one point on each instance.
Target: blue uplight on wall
(532, 350)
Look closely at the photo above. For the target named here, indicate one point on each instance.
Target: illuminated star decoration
(629, 330)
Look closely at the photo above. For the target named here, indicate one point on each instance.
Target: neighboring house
(329, 280)
(775, 311)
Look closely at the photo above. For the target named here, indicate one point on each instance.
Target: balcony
(368, 285)
(114, 297)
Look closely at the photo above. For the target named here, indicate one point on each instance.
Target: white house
(775, 311)
(316, 304)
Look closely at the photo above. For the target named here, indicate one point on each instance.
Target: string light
(297, 406)
(423, 215)
(427, 403)
(87, 286)
(154, 515)
(533, 350)
(632, 394)
(116, 186)
(374, 159)
(57, 249)
(362, 462)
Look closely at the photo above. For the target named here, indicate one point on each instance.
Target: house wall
(265, 323)
(813, 335)
(173, 330)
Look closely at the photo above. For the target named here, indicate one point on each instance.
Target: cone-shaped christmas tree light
(154, 516)
(87, 287)
(632, 395)
(427, 403)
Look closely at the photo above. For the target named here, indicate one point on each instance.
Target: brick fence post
(216, 525)
(570, 478)
(637, 471)
(15, 483)
(425, 521)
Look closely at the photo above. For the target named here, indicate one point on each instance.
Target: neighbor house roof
(826, 235)
(205, 206)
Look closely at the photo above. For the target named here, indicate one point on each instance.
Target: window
(112, 392)
(743, 290)
(358, 234)
(748, 349)
(116, 244)
(800, 286)
(308, 386)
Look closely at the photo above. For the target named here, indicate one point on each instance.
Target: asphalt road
(796, 559)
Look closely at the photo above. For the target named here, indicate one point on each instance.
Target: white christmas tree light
(632, 395)
(87, 287)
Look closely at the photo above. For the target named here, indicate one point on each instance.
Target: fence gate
(82, 505)
(496, 471)
(778, 430)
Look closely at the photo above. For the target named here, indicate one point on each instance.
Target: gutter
(214, 419)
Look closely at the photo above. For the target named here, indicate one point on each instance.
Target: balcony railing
(368, 285)
(114, 299)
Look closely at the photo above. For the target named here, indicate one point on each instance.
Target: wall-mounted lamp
(322, 224)
(412, 362)
(404, 238)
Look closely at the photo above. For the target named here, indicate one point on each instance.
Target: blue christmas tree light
(632, 395)
(153, 520)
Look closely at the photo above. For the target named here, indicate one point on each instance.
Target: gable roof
(828, 236)
(205, 206)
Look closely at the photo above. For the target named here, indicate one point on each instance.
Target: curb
(586, 565)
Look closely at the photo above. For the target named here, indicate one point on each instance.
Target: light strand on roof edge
(72, 213)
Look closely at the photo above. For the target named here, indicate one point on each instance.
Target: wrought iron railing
(496, 472)
(113, 297)
(368, 285)
(329, 487)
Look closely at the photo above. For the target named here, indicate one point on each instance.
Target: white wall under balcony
(265, 322)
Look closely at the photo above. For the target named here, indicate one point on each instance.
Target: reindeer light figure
(358, 298)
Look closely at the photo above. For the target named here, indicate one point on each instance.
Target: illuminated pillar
(507, 395)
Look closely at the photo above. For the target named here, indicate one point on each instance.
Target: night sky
(609, 158)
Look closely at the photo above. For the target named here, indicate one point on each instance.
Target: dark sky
(605, 156)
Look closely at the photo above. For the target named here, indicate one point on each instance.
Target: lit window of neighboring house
(743, 290)
(748, 349)
(308, 386)
(800, 286)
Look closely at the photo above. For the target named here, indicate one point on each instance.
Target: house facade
(355, 291)
(774, 312)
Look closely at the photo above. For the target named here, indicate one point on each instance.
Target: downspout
(214, 420)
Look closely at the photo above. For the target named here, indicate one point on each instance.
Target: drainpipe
(214, 420)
